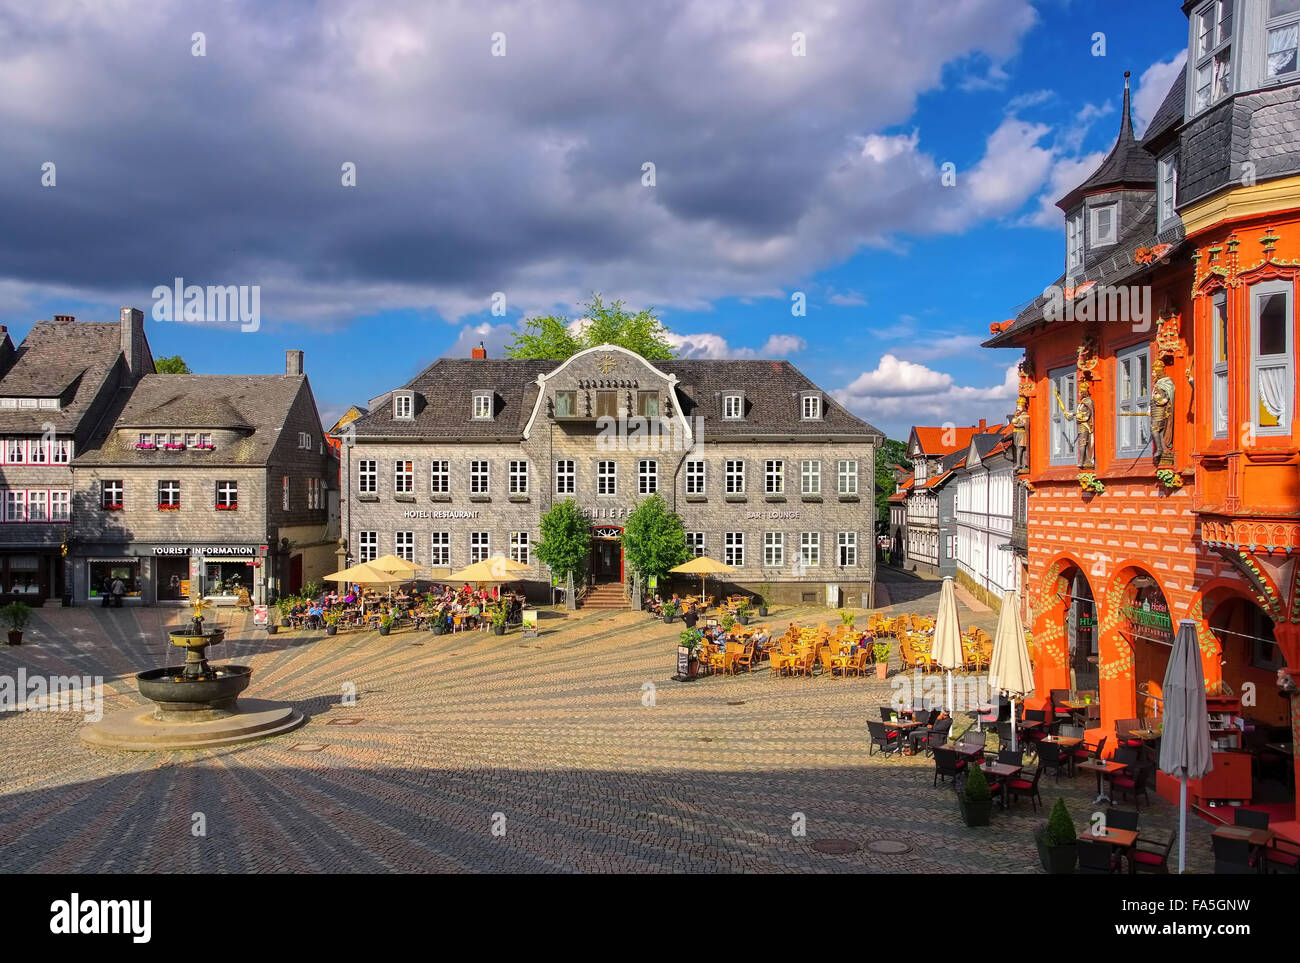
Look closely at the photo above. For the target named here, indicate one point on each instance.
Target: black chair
(1004, 735)
(1059, 696)
(885, 740)
(934, 735)
(1125, 756)
(1051, 756)
(972, 740)
(1146, 857)
(1282, 856)
(947, 764)
(1234, 856)
(1250, 817)
(1009, 757)
(1122, 819)
(887, 713)
(1097, 858)
(1026, 784)
(1035, 715)
(1136, 783)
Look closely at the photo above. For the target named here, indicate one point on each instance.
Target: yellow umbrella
(496, 569)
(364, 574)
(398, 566)
(702, 566)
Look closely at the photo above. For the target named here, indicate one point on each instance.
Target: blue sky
(774, 175)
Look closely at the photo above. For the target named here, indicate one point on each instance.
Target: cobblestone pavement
(571, 752)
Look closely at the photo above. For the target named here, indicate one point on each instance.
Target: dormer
(484, 405)
(811, 405)
(1239, 46)
(733, 405)
(403, 405)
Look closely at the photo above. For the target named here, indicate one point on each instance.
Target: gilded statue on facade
(1162, 413)
(1020, 436)
(1083, 417)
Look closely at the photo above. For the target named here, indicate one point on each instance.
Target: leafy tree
(551, 338)
(173, 365)
(566, 539)
(654, 539)
(891, 453)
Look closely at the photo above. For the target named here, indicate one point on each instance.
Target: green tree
(173, 365)
(889, 454)
(566, 539)
(654, 539)
(550, 338)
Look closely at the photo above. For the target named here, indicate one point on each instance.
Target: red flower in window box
(171, 447)
(145, 447)
(169, 508)
(203, 447)
(227, 508)
(113, 507)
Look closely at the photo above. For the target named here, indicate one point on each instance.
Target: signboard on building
(1148, 617)
(259, 615)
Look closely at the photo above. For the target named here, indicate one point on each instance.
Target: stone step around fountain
(138, 729)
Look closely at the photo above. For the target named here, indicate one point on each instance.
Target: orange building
(1158, 399)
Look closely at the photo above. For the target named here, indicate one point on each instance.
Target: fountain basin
(179, 699)
(196, 640)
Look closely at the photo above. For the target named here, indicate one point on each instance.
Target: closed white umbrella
(1010, 667)
(1185, 751)
(945, 651)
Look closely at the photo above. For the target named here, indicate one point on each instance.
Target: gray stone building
(207, 483)
(768, 473)
(54, 389)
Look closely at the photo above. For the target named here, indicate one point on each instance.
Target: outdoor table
(1102, 767)
(1146, 735)
(1006, 772)
(1123, 839)
(1256, 837)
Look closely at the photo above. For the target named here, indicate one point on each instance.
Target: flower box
(174, 447)
(227, 508)
(203, 447)
(139, 447)
(169, 508)
(112, 508)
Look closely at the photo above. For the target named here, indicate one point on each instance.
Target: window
(440, 549)
(519, 478)
(160, 439)
(1166, 189)
(284, 492)
(15, 505)
(733, 406)
(479, 478)
(566, 404)
(480, 546)
(775, 478)
(61, 506)
(1283, 37)
(1102, 229)
(695, 542)
(1062, 428)
(61, 451)
(774, 549)
(647, 404)
(1212, 24)
(483, 405)
(1219, 320)
(191, 439)
(606, 404)
(519, 547)
(735, 477)
(810, 477)
(111, 494)
(227, 496)
(368, 545)
(810, 548)
(404, 546)
(304, 440)
(606, 478)
(1074, 242)
(695, 478)
(367, 476)
(315, 498)
(169, 495)
(38, 451)
(848, 477)
(647, 474)
(848, 545)
(403, 477)
(16, 452)
(564, 477)
(439, 477)
(205, 439)
(1132, 400)
(1271, 350)
(404, 406)
(38, 505)
(812, 407)
(733, 549)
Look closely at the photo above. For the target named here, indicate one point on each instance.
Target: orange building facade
(1158, 406)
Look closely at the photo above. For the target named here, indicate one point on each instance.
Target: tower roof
(1127, 165)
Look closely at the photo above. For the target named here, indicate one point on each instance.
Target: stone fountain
(195, 705)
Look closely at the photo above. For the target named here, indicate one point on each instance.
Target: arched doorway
(606, 559)
(1081, 631)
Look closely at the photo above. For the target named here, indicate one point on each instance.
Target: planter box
(975, 813)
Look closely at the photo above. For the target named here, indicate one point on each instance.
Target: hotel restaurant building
(768, 473)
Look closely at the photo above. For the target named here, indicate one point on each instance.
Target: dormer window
(566, 404)
(482, 405)
(1283, 38)
(1074, 242)
(1212, 26)
(1166, 189)
(404, 405)
(1103, 229)
(733, 406)
(812, 407)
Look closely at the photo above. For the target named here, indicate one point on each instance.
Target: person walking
(118, 591)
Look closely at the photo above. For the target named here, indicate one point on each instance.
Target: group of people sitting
(441, 602)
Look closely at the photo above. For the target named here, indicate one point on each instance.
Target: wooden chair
(803, 662)
(745, 657)
(730, 654)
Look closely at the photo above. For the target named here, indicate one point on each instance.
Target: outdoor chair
(1123, 730)
(946, 764)
(1051, 756)
(1135, 784)
(1147, 857)
(887, 713)
(1003, 730)
(1009, 757)
(1059, 696)
(1122, 819)
(1249, 817)
(1098, 858)
(1234, 856)
(1282, 856)
(1026, 784)
(931, 736)
(745, 657)
(859, 664)
(882, 739)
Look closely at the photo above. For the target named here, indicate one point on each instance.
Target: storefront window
(104, 573)
(24, 574)
(226, 579)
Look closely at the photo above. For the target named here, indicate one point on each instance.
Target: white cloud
(899, 394)
(1067, 174)
(494, 337)
(1151, 89)
(715, 347)
(848, 299)
(1032, 98)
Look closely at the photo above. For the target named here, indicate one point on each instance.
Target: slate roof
(71, 359)
(446, 389)
(1168, 118)
(1127, 165)
(255, 404)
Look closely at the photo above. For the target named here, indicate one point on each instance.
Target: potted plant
(1169, 479)
(498, 616)
(332, 622)
(766, 589)
(17, 615)
(880, 650)
(670, 612)
(284, 606)
(1057, 840)
(438, 623)
(690, 640)
(742, 612)
(385, 623)
(1091, 484)
(727, 622)
(847, 619)
(975, 798)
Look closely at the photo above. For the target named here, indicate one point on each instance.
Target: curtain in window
(1282, 44)
(1272, 386)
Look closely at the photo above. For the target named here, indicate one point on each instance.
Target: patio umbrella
(398, 566)
(1010, 667)
(945, 651)
(495, 570)
(365, 573)
(1185, 751)
(702, 566)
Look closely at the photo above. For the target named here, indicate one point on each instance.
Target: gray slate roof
(1125, 166)
(1168, 118)
(54, 358)
(446, 389)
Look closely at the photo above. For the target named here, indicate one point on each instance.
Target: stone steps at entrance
(606, 596)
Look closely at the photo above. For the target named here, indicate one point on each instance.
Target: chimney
(64, 319)
(984, 424)
(479, 352)
(293, 362)
(133, 345)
